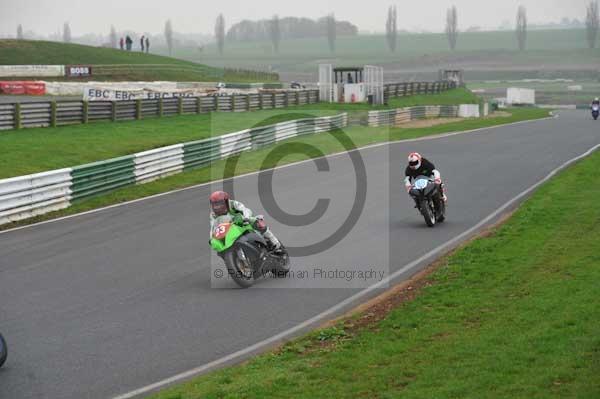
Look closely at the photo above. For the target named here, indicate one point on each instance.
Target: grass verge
(326, 143)
(513, 314)
(41, 149)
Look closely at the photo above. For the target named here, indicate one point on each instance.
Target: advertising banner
(32, 70)
(92, 93)
(12, 87)
(77, 71)
(23, 87)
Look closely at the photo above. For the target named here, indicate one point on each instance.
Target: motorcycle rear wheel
(283, 268)
(441, 214)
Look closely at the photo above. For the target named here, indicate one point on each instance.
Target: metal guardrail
(60, 113)
(26, 196)
(405, 89)
(399, 116)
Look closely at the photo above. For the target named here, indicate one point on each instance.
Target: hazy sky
(46, 16)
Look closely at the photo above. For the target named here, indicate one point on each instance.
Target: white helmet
(414, 160)
(596, 99)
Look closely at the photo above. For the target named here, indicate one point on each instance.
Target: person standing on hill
(142, 43)
(121, 43)
(147, 44)
(128, 43)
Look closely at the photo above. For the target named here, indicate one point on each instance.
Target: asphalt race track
(101, 304)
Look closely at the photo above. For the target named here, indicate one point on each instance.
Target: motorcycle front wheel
(3, 350)
(239, 267)
(428, 212)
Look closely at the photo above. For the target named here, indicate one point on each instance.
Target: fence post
(160, 107)
(180, 105)
(247, 102)
(232, 98)
(198, 105)
(260, 100)
(85, 112)
(286, 99)
(53, 113)
(138, 109)
(17, 116)
(113, 111)
(274, 98)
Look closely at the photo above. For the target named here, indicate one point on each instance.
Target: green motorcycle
(245, 252)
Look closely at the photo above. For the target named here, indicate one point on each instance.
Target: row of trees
(289, 28)
(391, 26)
(276, 29)
(272, 29)
(66, 32)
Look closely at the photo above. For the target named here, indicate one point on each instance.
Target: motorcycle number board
(221, 230)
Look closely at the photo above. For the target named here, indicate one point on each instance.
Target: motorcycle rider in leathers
(221, 204)
(420, 166)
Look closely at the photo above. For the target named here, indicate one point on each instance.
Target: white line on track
(348, 302)
(275, 168)
(338, 308)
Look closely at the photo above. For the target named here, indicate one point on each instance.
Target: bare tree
(592, 23)
(331, 32)
(220, 33)
(66, 33)
(113, 37)
(522, 27)
(169, 35)
(452, 27)
(275, 32)
(20, 32)
(391, 28)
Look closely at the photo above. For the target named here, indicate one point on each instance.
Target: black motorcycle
(246, 253)
(595, 111)
(428, 199)
(3, 350)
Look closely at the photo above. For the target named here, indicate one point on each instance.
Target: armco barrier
(402, 115)
(58, 113)
(26, 196)
(100, 177)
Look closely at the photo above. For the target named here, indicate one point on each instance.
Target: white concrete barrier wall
(469, 111)
(161, 162)
(26, 196)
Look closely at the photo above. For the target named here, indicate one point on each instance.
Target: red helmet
(219, 202)
(414, 160)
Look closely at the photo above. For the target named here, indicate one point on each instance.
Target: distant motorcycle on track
(595, 111)
(3, 350)
(428, 199)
